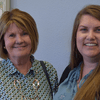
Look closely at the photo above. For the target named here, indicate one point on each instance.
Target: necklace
(80, 77)
(35, 86)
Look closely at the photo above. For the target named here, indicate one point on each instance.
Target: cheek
(99, 44)
(8, 44)
(79, 42)
(80, 38)
(29, 41)
(6, 41)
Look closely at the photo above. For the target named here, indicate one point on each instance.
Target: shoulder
(3, 68)
(36, 62)
(51, 70)
(65, 74)
(48, 65)
(1, 65)
(73, 75)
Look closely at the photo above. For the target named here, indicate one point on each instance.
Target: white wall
(54, 20)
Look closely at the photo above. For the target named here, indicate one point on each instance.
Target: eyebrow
(97, 27)
(87, 26)
(82, 26)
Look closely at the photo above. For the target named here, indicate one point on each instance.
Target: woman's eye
(25, 33)
(83, 30)
(98, 30)
(12, 35)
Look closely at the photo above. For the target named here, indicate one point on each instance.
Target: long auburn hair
(91, 87)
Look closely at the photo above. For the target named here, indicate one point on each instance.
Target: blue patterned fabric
(8, 73)
(68, 88)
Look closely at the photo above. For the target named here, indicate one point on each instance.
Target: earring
(4, 47)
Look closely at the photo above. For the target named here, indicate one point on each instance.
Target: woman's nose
(19, 39)
(90, 35)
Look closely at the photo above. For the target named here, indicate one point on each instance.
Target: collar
(10, 68)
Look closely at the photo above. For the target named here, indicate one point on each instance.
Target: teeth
(90, 44)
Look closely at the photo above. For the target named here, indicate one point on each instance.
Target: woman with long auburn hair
(83, 81)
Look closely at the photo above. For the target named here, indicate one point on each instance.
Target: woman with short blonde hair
(22, 77)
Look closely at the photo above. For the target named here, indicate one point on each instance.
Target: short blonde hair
(24, 21)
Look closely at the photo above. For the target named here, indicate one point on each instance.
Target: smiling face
(17, 42)
(88, 36)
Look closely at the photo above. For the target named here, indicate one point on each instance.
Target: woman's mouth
(19, 46)
(89, 44)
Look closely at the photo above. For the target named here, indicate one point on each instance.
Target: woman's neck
(22, 64)
(88, 66)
